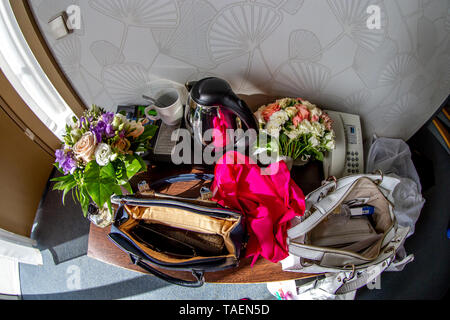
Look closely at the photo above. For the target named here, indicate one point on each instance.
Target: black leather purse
(174, 233)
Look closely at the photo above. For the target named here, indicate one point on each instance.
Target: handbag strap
(199, 275)
(182, 178)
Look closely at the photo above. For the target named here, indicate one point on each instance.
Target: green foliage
(141, 144)
(100, 183)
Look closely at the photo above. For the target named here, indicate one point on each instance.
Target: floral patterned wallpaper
(395, 77)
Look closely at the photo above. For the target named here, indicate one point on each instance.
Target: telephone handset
(348, 156)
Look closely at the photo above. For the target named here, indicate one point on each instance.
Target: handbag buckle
(352, 274)
(143, 186)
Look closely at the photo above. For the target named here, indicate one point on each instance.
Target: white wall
(394, 77)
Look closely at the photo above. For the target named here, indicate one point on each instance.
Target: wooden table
(101, 248)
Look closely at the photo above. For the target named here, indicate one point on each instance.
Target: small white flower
(308, 104)
(305, 127)
(291, 111)
(119, 119)
(279, 117)
(317, 129)
(273, 128)
(315, 111)
(314, 141)
(330, 145)
(293, 132)
(103, 154)
(329, 136)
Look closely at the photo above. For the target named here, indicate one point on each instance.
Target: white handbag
(365, 250)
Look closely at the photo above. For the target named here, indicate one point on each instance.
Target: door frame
(25, 119)
(38, 45)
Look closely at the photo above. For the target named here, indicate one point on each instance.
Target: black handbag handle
(199, 275)
(182, 178)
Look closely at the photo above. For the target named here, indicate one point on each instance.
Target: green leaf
(319, 155)
(141, 143)
(133, 165)
(84, 200)
(67, 188)
(127, 186)
(142, 162)
(100, 182)
(64, 183)
(149, 132)
(63, 178)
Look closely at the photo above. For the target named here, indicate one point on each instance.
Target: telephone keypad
(352, 165)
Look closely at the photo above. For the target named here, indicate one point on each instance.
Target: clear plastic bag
(393, 157)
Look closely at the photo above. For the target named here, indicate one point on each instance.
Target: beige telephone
(348, 156)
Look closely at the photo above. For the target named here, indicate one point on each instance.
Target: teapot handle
(241, 109)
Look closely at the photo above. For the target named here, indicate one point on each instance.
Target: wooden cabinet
(25, 162)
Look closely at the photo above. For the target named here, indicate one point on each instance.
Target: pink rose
(314, 118)
(327, 120)
(304, 112)
(297, 119)
(270, 110)
(84, 149)
(136, 129)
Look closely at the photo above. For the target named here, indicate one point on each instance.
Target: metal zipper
(219, 213)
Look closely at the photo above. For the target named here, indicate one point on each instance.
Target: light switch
(58, 26)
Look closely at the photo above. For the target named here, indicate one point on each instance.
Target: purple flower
(101, 126)
(82, 120)
(66, 161)
(110, 132)
(108, 117)
(122, 134)
(98, 134)
(60, 155)
(99, 130)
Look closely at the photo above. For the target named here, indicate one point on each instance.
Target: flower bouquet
(301, 129)
(100, 155)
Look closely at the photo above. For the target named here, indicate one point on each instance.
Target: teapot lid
(210, 91)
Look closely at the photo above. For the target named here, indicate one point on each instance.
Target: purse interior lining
(182, 219)
(366, 188)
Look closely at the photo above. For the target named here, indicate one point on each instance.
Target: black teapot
(212, 104)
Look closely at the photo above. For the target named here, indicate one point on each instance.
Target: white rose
(291, 111)
(273, 128)
(308, 104)
(119, 119)
(293, 133)
(279, 117)
(103, 154)
(317, 129)
(314, 142)
(315, 111)
(329, 136)
(305, 127)
(330, 145)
